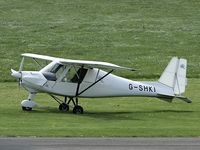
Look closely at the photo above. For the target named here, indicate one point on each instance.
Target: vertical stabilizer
(180, 78)
(168, 75)
(174, 75)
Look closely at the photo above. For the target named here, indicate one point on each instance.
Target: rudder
(174, 75)
(180, 77)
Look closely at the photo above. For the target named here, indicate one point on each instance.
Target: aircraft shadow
(117, 115)
(134, 115)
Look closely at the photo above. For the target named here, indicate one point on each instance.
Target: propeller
(20, 81)
(20, 71)
(18, 74)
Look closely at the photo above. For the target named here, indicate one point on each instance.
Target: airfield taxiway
(32, 143)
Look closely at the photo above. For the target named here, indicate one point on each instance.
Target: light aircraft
(77, 78)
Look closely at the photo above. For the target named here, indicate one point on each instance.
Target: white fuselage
(110, 86)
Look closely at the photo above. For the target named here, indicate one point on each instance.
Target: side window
(71, 74)
(54, 73)
(75, 74)
(60, 71)
(55, 68)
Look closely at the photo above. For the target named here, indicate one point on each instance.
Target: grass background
(142, 34)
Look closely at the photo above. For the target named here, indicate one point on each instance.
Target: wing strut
(94, 83)
(79, 82)
(37, 62)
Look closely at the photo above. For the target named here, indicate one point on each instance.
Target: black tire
(26, 108)
(64, 107)
(78, 110)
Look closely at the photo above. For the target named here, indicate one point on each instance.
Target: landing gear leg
(64, 105)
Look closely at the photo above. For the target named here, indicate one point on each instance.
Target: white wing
(39, 56)
(88, 64)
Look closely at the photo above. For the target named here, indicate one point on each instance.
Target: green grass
(128, 117)
(143, 34)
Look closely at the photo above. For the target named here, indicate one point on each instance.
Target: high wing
(88, 64)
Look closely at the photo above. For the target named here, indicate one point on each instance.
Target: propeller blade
(19, 84)
(21, 65)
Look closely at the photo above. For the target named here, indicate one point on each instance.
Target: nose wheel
(28, 104)
(26, 108)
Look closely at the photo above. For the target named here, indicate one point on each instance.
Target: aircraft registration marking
(143, 88)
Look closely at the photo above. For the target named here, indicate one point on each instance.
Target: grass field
(142, 34)
(103, 117)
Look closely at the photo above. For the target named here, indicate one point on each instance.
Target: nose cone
(15, 74)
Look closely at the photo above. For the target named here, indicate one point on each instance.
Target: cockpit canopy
(56, 71)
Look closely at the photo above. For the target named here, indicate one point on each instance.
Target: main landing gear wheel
(78, 109)
(64, 107)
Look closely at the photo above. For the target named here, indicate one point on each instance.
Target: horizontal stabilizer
(169, 98)
(185, 99)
